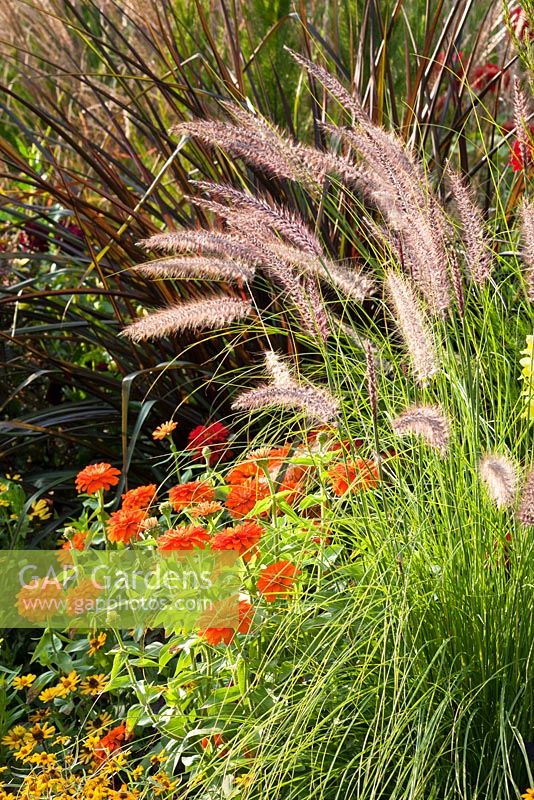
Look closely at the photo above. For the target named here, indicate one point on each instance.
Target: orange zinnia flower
(39, 600)
(358, 476)
(277, 579)
(125, 524)
(242, 499)
(111, 742)
(205, 509)
(215, 636)
(184, 538)
(254, 466)
(243, 539)
(81, 598)
(187, 494)
(216, 740)
(163, 430)
(76, 542)
(141, 497)
(95, 477)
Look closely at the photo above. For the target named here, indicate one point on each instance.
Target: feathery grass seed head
(214, 312)
(429, 422)
(525, 514)
(499, 476)
(414, 327)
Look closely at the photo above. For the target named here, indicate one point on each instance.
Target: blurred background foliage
(89, 93)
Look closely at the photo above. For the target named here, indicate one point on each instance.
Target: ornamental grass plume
(414, 327)
(316, 403)
(522, 148)
(525, 514)
(214, 312)
(260, 145)
(211, 269)
(527, 252)
(499, 476)
(284, 392)
(280, 219)
(477, 246)
(429, 422)
(391, 177)
(278, 369)
(207, 241)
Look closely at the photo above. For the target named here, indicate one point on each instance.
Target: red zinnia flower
(215, 636)
(358, 476)
(277, 579)
(125, 524)
(213, 436)
(184, 538)
(95, 477)
(187, 494)
(520, 149)
(243, 539)
(242, 499)
(141, 497)
(482, 75)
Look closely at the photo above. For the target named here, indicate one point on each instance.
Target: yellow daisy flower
(124, 794)
(94, 684)
(43, 759)
(39, 714)
(25, 752)
(40, 509)
(164, 783)
(104, 720)
(15, 738)
(97, 643)
(527, 376)
(23, 681)
(50, 693)
(40, 732)
(69, 682)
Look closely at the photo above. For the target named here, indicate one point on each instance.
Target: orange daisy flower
(277, 579)
(205, 509)
(187, 494)
(242, 499)
(215, 636)
(125, 524)
(164, 430)
(184, 538)
(358, 476)
(141, 497)
(95, 477)
(243, 539)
